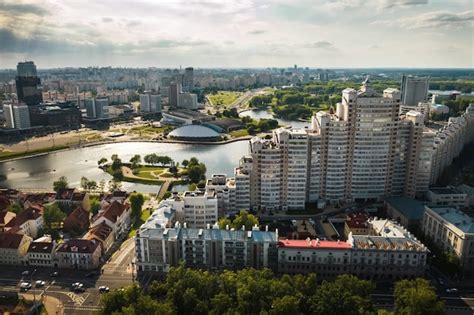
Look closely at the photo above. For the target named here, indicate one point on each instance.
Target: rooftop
(194, 131)
(409, 207)
(445, 190)
(41, 247)
(78, 246)
(456, 217)
(370, 242)
(314, 244)
(11, 241)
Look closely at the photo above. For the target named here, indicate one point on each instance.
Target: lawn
(239, 133)
(149, 172)
(223, 98)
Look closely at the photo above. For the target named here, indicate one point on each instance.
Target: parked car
(25, 273)
(40, 283)
(104, 289)
(25, 286)
(452, 290)
(54, 274)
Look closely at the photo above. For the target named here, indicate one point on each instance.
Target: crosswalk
(78, 300)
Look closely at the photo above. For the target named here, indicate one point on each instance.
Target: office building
(414, 90)
(158, 249)
(447, 197)
(187, 100)
(453, 231)
(188, 79)
(97, 108)
(174, 90)
(17, 116)
(150, 103)
(28, 85)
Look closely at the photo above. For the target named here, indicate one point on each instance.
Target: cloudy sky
(231, 33)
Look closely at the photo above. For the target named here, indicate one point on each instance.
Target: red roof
(11, 241)
(31, 213)
(314, 244)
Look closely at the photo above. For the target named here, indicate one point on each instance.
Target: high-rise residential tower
(414, 90)
(175, 89)
(28, 84)
(188, 79)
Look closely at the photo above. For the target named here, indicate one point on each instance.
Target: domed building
(194, 133)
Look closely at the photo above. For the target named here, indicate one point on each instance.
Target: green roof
(408, 207)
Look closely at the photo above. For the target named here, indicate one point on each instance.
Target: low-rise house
(5, 218)
(41, 254)
(28, 222)
(13, 248)
(78, 254)
(107, 199)
(405, 210)
(356, 223)
(103, 234)
(77, 221)
(117, 216)
(447, 196)
(68, 198)
(453, 231)
(326, 258)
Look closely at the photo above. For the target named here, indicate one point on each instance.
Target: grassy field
(10, 155)
(239, 133)
(150, 172)
(146, 131)
(223, 98)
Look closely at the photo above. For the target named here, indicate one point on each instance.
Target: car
(40, 283)
(452, 290)
(25, 286)
(54, 274)
(25, 273)
(103, 289)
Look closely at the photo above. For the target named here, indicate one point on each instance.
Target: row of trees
(195, 170)
(250, 291)
(254, 126)
(243, 219)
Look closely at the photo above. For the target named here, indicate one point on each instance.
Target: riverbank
(45, 151)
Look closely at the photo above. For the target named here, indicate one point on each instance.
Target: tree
(136, 202)
(346, 295)
(244, 219)
(224, 223)
(115, 185)
(117, 164)
(84, 182)
(185, 163)
(417, 297)
(15, 207)
(53, 216)
(61, 183)
(285, 305)
(114, 157)
(102, 185)
(136, 159)
(95, 205)
(102, 161)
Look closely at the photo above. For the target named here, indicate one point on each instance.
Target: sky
(247, 33)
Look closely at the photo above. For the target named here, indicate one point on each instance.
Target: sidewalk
(53, 305)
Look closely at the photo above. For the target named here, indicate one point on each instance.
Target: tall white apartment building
(450, 140)
(17, 116)
(195, 208)
(224, 188)
(364, 150)
(414, 90)
(150, 103)
(242, 175)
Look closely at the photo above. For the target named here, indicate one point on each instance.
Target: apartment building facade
(453, 231)
(158, 248)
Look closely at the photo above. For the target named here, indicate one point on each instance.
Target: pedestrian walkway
(163, 189)
(51, 304)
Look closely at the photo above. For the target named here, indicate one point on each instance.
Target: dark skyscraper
(188, 79)
(175, 89)
(28, 84)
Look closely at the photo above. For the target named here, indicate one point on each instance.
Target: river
(40, 172)
(259, 114)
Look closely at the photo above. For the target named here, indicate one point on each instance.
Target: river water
(40, 172)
